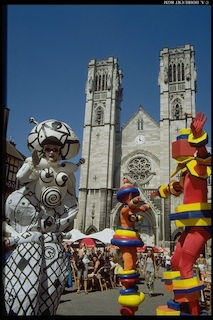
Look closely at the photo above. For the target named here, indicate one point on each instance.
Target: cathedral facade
(139, 151)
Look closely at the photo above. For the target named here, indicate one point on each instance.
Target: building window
(99, 116)
(177, 111)
(11, 171)
(140, 169)
(101, 82)
(170, 73)
(140, 124)
(96, 83)
(178, 71)
(174, 73)
(183, 72)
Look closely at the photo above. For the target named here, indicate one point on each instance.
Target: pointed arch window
(99, 116)
(177, 112)
(96, 83)
(183, 72)
(170, 73)
(174, 72)
(178, 71)
(140, 124)
(101, 82)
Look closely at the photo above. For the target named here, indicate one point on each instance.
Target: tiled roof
(11, 150)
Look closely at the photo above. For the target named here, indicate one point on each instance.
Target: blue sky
(49, 48)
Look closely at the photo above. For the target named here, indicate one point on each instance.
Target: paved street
(106, 303)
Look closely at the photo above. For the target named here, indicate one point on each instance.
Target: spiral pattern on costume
(51, 197)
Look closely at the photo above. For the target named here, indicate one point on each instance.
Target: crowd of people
(87, 263)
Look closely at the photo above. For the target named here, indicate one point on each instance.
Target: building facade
(140, 150)
(14, 161)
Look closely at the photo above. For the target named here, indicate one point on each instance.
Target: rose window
(140, 169)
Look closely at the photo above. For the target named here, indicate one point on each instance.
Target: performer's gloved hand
(197, 124)
(35, 158)
(177, 186)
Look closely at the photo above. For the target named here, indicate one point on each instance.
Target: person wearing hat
(38, 215)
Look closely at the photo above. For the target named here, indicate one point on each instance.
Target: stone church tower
(177, 81)
(101, 146)
(140, 150)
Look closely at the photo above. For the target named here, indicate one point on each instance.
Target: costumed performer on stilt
(38, 215)
(128, 239)
(195, 214)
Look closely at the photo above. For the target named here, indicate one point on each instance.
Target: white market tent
(104, 236)
(73, 235)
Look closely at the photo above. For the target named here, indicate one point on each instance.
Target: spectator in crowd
(106, 252)
(201, 262)
(209, 262)
(101, 257)
(168, 261)
(204, 271)
(150, 268)
(158, 263)
(68, 250)
(140, 263)
(113, 265)
(96, 266)
(74, 256)
(82, 266)
(108, 271)
(118, 260)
